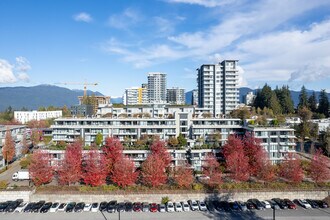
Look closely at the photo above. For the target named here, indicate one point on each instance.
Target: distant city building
(218, 87)
(248, 99)
(26, 116)
(323, 124)
(135, 96)
(95, 101)
(175, 96)
(156, 88)
(194, 98)
(82, 110)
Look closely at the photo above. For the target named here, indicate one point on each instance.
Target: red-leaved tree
(8, 149)
(183, 175)
(291, 169)
(94, 168)
(70, 170)
(40, 169)
(158, 149)
(124, 172)
(113, 152)
(236, 161)
(319, 168)
(25, 146)
(211, 168)
(153, 171)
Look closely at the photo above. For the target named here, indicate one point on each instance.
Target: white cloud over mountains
(14, 73)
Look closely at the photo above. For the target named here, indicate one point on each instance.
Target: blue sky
(117, 42)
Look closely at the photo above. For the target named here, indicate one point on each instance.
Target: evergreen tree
(323, 103)
(274, 104)
(263, 97)
(312, 103)
(303, 98)
(284, 97)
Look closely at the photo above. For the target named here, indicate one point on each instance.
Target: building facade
(175, 96)
(218, 87)
(156, 88)
(26, 116)
(135, 96)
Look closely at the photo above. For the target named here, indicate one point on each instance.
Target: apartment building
(135, 96)
(218, 87)
(156, 88)
(26, 116)
(175, 96)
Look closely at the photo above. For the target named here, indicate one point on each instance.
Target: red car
(153, 207)
(290, 204)
(137, 207)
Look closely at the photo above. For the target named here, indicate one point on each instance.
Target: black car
(38, 206)
(250, 205)
(79, 207)
(313, 203)
(121, 207)
(103, 206)
(29, 207)
(128, 207)
(4, 205)
(112, 206)
(45, 208)
(13, 205)
(257, 204)
(321, 203)
(225, 206)
(70, 207)
(280, 203)
(217, 205)
(210, 205)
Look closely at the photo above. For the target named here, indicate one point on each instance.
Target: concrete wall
(13, 195)
(179, 197)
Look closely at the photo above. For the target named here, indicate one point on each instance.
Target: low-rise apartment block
(26, 116)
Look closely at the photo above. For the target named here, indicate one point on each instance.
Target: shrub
(197, 186)
(3, 184)
(109, 188)
(25, 162)
(165, 200)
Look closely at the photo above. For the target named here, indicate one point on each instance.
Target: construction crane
(85, 84)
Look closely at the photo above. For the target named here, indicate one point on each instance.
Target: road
(299, 214)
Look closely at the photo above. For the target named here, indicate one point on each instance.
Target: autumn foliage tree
(158, 149)
(291, 169)
(40, 169)
(211, 168)
(94, 168)
(113, 152)
(70, 171)
(25, 146)
(183, 175)
(124, 172)
(319, 168)
(153, 171)
(8, 149)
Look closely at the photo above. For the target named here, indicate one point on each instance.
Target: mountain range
(49, 95)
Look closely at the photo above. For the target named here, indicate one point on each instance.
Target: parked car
(121, 207)
(217, 205)
(170, 207)
(193, 205)
(266, 204)
(322, 204)
(185, 206)
(137, 207)
(62, 207)
(153, 207)
(280, 203)
(70, 206)
(250, 205)
(312, 203)
(29, 207)
(162, 208)
(225, 205)
(202, 206)
(233, 206)
(103, 206)
(128, 207)
(3, 205)
(210, 205)
(95, 207)
(13, 205)
(290, 204)
(145, 207)
(112, 206)
(273, 204)
(38, 206)
(241, 205)
(178, 207)
(45, 208)
(79, 207)
(257, 204)
(54, 207)
(303, 203)
(87, 207)
(21, 207)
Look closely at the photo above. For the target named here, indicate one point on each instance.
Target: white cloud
(205, 3)
(13, 73)
(125, 19)
(84, 17)
(164, 25)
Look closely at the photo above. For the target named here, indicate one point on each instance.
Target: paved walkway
(14, 167)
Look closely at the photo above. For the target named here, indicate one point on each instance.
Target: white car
(21, 207)
(54, 207)
(62, 207)
(95, 207)
(185, 206)
(178, 207)
(170, 207)
(266, 204)
(202, 206)
(304, 203)
(87, 207)
(193, 205)
(162, 208)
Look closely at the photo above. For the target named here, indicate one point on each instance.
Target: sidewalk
(14, 167)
